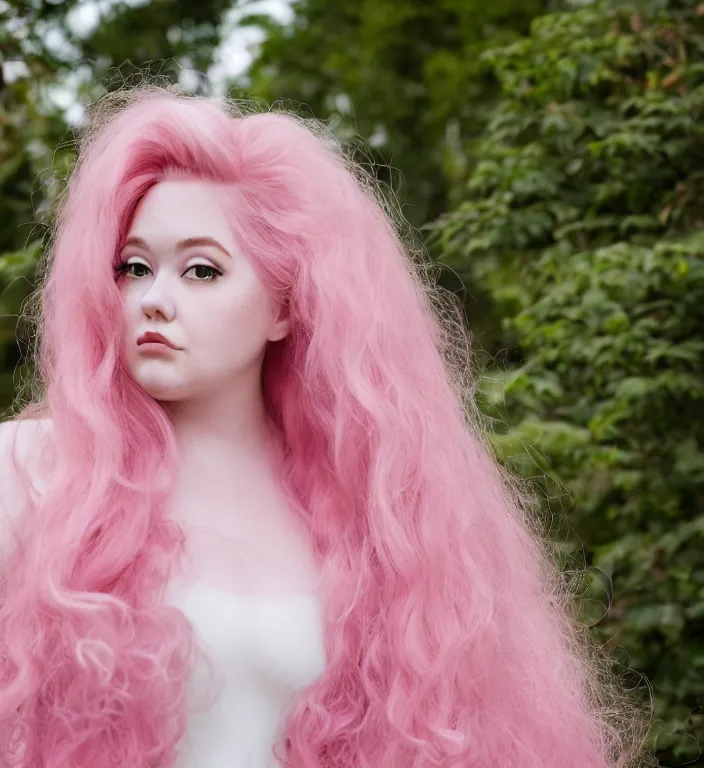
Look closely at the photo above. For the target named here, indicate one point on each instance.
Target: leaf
(673, 78)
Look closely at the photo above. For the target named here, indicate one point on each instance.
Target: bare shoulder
(23, 444)
(26, 436)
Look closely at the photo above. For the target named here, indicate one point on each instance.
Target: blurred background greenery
(552, 156)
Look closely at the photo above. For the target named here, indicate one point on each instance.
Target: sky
(231, 58)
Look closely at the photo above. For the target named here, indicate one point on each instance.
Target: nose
(156, 302)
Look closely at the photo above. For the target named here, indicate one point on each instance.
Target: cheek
(128, 314)
(245, 319)
(130, 303)
(233, 334)
(236, 324)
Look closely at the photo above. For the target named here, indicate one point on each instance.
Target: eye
(126, 268)
(138, 270)
(206, 272)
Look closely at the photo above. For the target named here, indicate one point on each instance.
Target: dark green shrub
(582, 225)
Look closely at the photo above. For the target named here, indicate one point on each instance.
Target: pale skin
(209, 302)
(186, 279)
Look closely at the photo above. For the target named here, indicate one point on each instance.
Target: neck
(233, 420)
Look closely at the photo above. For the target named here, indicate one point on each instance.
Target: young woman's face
(184, 277)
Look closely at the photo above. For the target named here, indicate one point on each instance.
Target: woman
(283, 484)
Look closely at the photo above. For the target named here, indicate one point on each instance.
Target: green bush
(581, 224)
(27, 188)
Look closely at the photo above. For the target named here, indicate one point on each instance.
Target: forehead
(175, 210)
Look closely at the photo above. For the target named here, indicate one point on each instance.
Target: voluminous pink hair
(449, 639)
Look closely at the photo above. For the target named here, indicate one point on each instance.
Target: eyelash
(124, 268)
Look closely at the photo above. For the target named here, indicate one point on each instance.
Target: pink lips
(154, 338)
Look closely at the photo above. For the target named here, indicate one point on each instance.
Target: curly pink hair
(448, 638)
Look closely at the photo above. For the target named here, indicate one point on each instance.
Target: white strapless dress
(263, 649)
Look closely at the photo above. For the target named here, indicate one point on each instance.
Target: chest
(245, 540)
(261, 650)
(248, 586)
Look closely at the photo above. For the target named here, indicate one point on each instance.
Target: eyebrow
(189, 242)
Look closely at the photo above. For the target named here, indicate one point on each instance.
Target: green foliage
(17, 272)
(406, 75)
(582, 225)
(157, 37)
(30, 131)
(166, 35)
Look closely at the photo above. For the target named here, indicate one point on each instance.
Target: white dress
(264, 649)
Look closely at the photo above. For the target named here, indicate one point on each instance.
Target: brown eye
(206, 273)
(137, 267)
(128, 269)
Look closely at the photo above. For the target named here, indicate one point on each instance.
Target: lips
(154, 338)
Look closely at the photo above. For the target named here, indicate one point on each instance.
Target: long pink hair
(449, 635)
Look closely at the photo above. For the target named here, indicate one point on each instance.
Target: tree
(405, 75)
(582, 224)
(29, 132)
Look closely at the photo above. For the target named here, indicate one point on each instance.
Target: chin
(160, 389)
